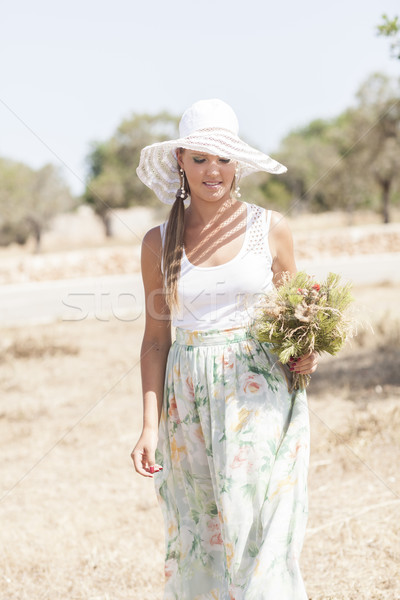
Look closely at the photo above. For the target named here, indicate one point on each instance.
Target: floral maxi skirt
(234, 446)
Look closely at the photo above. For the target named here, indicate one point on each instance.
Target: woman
(225, 440)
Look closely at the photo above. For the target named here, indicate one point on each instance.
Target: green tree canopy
(373, 139)
(391, 28)
(29, 199)
(112, 181)
(352, 160)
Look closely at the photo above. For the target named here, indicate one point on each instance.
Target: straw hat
(209, 126)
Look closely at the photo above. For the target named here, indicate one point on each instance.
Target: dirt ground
(79, 524)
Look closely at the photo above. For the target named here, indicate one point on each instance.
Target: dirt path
(79, 524)
(315, 237)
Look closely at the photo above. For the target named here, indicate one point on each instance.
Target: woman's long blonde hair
(173, 244)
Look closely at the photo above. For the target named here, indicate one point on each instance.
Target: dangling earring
(237, 188)
(182, 191)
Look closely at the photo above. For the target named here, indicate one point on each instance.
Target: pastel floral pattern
(234, 445)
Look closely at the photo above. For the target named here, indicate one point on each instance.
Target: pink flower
(213, 525)
(216, 539)
(198, 432)
(295, 451)
(251, 386)
(169, 568)
(227, 362)
(214, 528)
(173, 410)
(240, 458)
(189, 387)
(316, 287)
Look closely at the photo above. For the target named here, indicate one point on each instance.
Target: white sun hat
(208, 126)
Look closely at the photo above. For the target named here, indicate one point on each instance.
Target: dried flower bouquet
(304, 316)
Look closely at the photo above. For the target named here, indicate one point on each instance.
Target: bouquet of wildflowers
(304, 316)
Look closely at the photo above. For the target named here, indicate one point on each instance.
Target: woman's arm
(281, 247)
(154, 351)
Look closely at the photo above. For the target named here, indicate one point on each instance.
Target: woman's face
(210, 177)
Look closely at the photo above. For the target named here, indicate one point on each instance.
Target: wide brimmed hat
(208, 126)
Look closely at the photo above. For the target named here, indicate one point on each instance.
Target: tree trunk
(106, 218)
(36, 230)
(38, 239)
(385, 186)
(350, 213)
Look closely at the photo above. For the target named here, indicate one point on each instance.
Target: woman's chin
(214, 194)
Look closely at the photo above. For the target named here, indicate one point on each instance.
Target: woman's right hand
(143, 454)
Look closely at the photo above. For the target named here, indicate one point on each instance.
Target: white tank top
(224, 296)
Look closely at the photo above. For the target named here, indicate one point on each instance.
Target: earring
(237, 188)
(182, 191)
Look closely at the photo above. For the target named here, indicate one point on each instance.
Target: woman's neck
(205, 214)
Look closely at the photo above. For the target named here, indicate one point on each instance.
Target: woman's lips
(212, 183)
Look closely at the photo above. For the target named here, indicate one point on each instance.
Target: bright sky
(72, 70)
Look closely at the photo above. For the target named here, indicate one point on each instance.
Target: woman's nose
(212, 166)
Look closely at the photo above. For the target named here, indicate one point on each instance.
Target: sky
(72, 71)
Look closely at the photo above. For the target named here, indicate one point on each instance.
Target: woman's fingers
(143, 454)
(305, 365)
(139, 463)
(144, 462)
(154, 468)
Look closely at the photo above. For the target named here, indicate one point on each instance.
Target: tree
(376, 133)
(15, 178)
(391, 28)
(310, 154)
(352, 160)
(367, 138)
(112, 180)
(346, 185)
(48, 196)
(29, 199)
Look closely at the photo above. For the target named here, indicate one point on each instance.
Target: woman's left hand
(305, 365)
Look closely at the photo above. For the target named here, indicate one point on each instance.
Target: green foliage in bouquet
(304, 316)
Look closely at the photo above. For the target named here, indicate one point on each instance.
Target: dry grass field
(77, 523)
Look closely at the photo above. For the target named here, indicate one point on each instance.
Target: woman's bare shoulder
(280, 236)
(151, 252)
(278, 221)
(152, 240)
